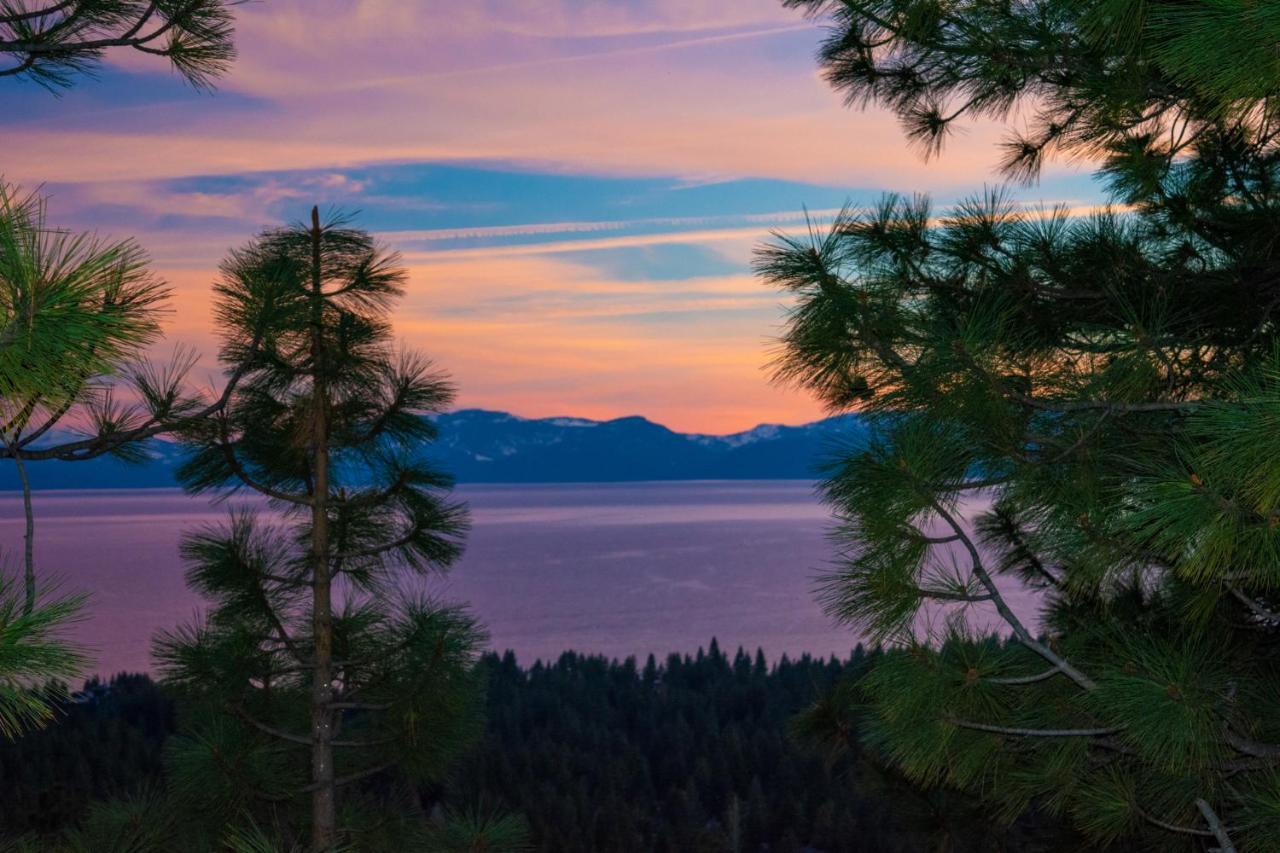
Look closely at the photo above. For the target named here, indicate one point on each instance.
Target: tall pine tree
(316, 670)
(1100, 392)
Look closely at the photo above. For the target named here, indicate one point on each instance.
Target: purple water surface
(619, 569)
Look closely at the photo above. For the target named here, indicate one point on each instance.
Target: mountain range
(480, 446)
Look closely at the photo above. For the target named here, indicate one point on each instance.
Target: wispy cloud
(611, 165)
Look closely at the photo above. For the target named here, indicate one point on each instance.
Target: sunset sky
(576, 185)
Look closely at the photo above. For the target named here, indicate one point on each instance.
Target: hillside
(479, 446)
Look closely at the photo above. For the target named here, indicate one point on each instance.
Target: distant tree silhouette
(584, 748)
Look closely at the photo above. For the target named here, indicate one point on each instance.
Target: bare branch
(375, 551)
(1257, 749)
(44, 12)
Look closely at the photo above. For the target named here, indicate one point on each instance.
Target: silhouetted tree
(582, 747)
(315, 669)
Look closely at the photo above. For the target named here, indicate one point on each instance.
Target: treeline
(693, 753)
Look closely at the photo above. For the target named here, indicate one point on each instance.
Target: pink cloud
(357, 84)
(697, 89)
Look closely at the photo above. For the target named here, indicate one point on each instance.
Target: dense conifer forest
(693, 753)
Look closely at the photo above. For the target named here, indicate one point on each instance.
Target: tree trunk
(28, 539)
(324, 832)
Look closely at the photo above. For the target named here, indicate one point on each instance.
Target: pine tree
(53, 41)
(74, 310)
(1100, 392)
(315, 668)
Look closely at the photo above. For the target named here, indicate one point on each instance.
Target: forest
(692, 753)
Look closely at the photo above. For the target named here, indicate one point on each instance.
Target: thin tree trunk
(29, 538)
(324, 832)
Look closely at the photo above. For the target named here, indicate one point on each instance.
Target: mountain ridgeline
(479, 446)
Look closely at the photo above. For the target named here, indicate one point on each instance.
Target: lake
(619, 569)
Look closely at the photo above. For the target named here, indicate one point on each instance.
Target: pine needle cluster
(52, 42)
(1085, 405)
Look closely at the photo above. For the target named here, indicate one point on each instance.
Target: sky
(575, 186)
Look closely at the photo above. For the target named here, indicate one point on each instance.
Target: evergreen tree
(76, 313)
(73, 311)
(1101, 392)
(315, 669)
(53, 41)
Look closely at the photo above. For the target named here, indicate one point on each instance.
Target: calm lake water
(619, 569)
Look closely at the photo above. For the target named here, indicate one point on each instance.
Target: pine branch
(1025, 679)
(342, 781)
(57, 40)
(378, 550)
(1026, 732)
(368, 498)
(1173, 827)
(240, 712)
(1002, 607)
(90, 448)
(1257, 609)
(233, 462)
(1216, 827)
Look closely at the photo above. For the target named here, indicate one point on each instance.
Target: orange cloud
(357, 85)
(697, 89)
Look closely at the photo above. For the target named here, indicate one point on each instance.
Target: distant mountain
(479, 446)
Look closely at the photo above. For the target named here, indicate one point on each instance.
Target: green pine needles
(316, 669)
(51, 42)
(36, 658)
(1079, 75)
(74, 312)
(1085, 405)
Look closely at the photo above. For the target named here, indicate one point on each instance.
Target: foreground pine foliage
(1100, 392)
